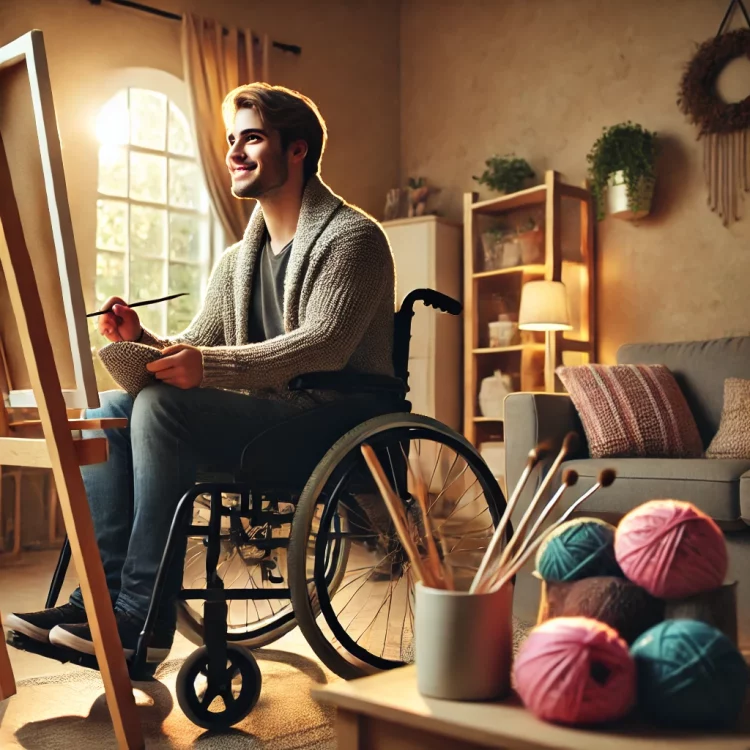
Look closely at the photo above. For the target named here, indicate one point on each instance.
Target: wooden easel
(49, 441)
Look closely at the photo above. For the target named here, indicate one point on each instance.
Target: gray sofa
(720, 488)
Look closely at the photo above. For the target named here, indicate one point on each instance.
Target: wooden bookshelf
(565, 252)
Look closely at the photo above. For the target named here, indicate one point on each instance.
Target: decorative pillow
(126, 362)
(632, 411)
(733, 437)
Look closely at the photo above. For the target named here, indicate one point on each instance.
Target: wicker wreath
(698, 98)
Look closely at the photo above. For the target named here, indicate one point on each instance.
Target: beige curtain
(215, 61)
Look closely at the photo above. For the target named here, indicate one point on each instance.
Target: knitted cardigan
(339, 301)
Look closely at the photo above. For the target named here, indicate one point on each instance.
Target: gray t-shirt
(266, 318)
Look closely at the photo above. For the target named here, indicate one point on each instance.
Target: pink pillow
(632, 411)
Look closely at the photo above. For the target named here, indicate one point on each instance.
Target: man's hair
(292, 114)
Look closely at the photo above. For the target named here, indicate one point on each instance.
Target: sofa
(721, 488)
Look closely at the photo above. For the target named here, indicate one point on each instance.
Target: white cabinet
(427, 251)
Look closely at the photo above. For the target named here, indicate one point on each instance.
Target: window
(154, 227)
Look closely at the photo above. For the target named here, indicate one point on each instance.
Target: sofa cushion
(700, 368)
(713, 485)
(636, 411)
(733, 438)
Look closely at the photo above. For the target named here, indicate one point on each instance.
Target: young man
(310, 287)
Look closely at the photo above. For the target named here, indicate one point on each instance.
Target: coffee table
(386, 711)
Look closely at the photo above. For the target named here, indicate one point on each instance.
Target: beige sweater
(339, 300)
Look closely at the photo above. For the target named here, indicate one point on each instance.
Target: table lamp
(544, 307)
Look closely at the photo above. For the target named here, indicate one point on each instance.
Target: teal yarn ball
(581, 548)
(689, 675)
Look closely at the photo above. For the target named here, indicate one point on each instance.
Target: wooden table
(386, 711)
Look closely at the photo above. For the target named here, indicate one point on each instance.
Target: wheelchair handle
(431, 298)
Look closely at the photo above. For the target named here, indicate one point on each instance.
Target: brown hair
(292, 114)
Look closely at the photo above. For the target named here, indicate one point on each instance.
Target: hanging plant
(630, 149)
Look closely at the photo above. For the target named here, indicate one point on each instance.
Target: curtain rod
(295, 49)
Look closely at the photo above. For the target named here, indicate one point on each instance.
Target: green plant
(505, 173)
(625, 147)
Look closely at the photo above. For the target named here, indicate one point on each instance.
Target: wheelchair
(307, 540)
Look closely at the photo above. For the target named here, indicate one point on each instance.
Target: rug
(65, 711)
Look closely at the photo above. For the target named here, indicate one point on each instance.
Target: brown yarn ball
(617, 602)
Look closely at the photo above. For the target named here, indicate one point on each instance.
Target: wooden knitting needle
(606, 477)
(536, 455)
(570, 443)
(394, 508)
(421, 492)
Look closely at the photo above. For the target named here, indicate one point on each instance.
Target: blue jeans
(152, 463)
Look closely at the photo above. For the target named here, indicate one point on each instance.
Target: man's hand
(180, 365)
(121, 324)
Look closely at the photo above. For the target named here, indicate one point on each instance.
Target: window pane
(186, 185)
(183, 278)
(148, 178)
(148, 119)
(188, 237)
(148, 231)
(110, 277)
(147, 282)
(111, 225)
(180, 138)
(113, 171)
(112, 120)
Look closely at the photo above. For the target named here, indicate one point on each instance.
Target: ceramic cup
(464, 643)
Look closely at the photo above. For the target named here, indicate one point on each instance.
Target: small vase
(619, 203)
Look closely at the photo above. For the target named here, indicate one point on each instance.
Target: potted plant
(505, 174)
(622, 171)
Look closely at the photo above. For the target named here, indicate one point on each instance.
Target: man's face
(255, 160)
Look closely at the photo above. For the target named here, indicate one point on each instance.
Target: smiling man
(309, 288)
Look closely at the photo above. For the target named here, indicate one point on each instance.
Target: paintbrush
(140, 304)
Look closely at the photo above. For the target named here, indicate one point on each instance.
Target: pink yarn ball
(671, 549)
(575, 670)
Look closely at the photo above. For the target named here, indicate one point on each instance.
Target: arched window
(154, 227)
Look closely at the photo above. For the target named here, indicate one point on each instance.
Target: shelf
(516, 348)
(529, 197)
(487, 419)
(535, 268)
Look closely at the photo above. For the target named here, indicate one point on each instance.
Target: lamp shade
(544, 307)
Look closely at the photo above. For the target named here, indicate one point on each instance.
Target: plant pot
(492, 251)
(619, 203)
(532, 246)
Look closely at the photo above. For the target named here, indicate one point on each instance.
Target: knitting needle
(393, 504)
(421, 491)
(536, 455)
(605, 479)
(568, 446)
(140, 304)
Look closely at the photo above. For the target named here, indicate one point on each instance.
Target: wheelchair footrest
(68, 655)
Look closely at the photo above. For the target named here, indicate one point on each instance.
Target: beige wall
(541, 78)
(349, 67)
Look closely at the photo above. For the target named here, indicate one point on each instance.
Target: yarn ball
(671, 549)
(617, 602)
(575, 670)
(576, 549)
(689, 675)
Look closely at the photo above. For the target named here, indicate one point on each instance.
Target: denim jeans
(152, 463)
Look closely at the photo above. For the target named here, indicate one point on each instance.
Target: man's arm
(352, 276)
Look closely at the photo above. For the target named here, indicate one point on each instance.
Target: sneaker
(37, 625)
(78, 638)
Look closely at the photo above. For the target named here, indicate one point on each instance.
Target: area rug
(69, 711)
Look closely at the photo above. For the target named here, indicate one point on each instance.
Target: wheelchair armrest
(349, 382)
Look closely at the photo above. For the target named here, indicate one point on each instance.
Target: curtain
(215, 61)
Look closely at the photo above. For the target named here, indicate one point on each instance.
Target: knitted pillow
(632, 411)
(733, 437)
(126, 362)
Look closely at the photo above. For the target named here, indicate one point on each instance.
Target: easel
(49, 442)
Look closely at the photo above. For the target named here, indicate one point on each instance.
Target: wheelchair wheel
(365, 623)
(218, 706)
(250, 623)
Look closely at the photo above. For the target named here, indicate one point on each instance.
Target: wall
(542, 78)
(348, 66)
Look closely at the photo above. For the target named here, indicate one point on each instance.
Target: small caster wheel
(239, 693)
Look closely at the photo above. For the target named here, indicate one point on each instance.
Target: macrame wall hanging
(722, 126)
